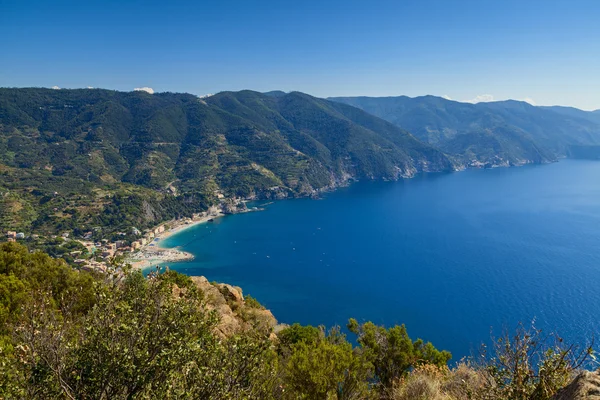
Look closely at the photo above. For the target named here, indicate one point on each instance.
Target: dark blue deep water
(449, 255)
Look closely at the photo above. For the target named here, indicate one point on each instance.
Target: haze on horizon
(538, 51)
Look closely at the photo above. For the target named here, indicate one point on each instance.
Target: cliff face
(586, 386)
(236, 313)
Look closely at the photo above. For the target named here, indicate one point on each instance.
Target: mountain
(188, 150)
(275, 93)
(593, 116)
(498, 133)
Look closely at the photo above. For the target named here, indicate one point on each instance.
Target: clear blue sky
(548, 51)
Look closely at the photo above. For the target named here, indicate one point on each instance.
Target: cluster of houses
(104, 248)
(108, 249)
(148, 236)
(13, 236)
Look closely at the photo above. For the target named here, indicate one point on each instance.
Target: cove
(452, 256)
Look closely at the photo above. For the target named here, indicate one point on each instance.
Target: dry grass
(431, 383)
(424, 383)
(420, 387)
(467, 382)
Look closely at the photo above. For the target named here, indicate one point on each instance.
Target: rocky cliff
(586, 386)
(236, 312)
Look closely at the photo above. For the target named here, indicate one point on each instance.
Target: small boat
(211, 220)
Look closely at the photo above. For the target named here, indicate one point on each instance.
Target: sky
(545, 52)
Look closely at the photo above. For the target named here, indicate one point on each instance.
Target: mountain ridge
(504, 132)
(188, 150)
(148, 158)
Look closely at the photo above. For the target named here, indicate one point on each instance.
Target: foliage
(22, 272)
(252, 302)
(75, 158)
(425, 382)
(243, 366)
(392, 352)
(496, 133)
(120, 335)
(328, 367)
(297, 333)
(530, 365)
(137, 341)
(177, 279)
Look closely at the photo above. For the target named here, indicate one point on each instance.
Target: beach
(153, 253)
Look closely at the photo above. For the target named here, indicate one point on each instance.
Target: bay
(452, 256)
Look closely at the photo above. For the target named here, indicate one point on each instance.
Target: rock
(229, 208)
(213, 210)
(262, 319)
(228, 323)
(279, 327)
(234, 315)
(232, 293)
(586, 386)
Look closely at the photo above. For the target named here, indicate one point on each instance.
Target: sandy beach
(153, 253)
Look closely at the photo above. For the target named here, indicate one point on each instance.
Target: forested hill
(97, 143)
(509, 132)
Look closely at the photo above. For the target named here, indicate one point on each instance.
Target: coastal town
(140, 249)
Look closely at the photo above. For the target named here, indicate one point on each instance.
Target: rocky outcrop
(231, 293)
(235, 313)
(586, 386)
(233, 206)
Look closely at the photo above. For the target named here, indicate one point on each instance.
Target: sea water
(456, 257)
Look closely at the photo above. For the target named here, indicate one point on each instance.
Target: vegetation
(252, 302)
(101, 161)
(74, 335)
(97, 163)
(392, 353)
(80, 159)
(497, 133)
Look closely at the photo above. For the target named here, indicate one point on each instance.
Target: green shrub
(252, 302)
(392, 352)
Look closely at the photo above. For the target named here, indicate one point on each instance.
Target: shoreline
(154, 252)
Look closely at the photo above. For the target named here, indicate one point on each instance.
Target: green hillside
(68, 334)
(498, 133)
(74, 159)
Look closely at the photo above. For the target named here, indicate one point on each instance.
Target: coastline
(154, 252)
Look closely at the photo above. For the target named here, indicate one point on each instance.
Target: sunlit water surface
(449, 255)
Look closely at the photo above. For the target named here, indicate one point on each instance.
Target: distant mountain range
(133, 158)
(167, 154)
(243, 142)
(496, 133)
(593, 116)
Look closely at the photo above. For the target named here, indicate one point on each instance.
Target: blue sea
(455, 257)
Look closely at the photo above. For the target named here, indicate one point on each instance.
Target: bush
(252, 302)
(419, 386)
(69, 334)
(530, 365)
(468, 382)
(392, 353)
(328, 367)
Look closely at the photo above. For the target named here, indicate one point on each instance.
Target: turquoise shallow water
(449, 255)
